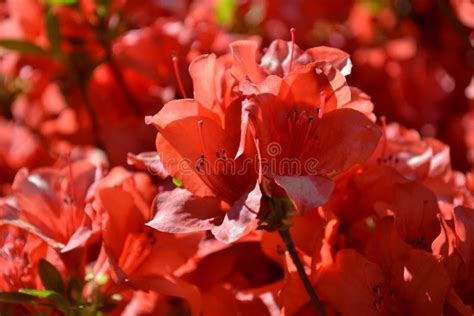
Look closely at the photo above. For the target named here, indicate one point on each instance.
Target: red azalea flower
(19, 148)
(417, 282)
(411, 155)
(20, 253)
(455, 244)
(197, 142)
(135, 255)
(382, 192)
(52, 204)
(348, 284)
(307, 116)
(25, 21)
(394, 278)
(247, 283)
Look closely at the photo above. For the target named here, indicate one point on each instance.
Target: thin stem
(101, 30)
(117, 72)
(290, 246)
(92, 115)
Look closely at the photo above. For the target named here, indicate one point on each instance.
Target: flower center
(220, 172)
(303, 130)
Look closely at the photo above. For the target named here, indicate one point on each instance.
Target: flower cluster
(190, 158)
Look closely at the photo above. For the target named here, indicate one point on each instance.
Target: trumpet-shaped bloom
(51, 203)
(197, 143)
(304, 125)
(134, 254)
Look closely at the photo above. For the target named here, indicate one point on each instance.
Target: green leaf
(50, 276)
(23, 47)
(177, 182)
(63, 2)
(38, 293)
(54, 36)
(16, 298)
(225, 11)
(53, 296)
